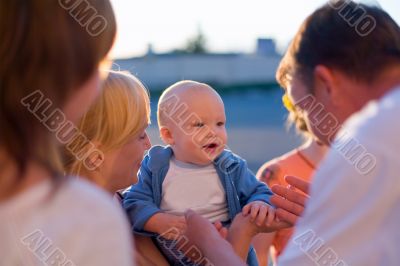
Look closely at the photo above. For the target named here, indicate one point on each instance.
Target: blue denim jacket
(143, 200)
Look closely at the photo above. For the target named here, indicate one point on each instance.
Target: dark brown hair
(45, 47)
(357, 39)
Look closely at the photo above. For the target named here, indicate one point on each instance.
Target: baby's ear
(166, 135)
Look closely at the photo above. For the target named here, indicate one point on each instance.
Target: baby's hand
(260, 212)
(171, 226)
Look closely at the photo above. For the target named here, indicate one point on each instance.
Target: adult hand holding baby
(260, 212)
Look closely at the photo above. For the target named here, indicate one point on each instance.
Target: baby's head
(191, 118)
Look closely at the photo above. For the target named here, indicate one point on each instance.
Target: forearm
(222, 253)
(154, 223)
(241, 234)
(262, 244)
(240, 242)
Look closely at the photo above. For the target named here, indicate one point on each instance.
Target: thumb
(189, 213)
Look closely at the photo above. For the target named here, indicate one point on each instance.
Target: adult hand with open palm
(290, 201)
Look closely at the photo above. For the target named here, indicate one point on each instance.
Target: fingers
(287, 205)
(271, 216)
(179, 229)
(282, 224)
(258, 212)
(246, 209)
(262, 214)
(290, 195)
(254, 211)
(223, 232)
(298, 183)
(180, 224)
(287, 216)
(218, 225)
(274, 226)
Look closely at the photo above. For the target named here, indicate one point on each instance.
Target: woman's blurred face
(121, 165)
(84, 96)
(81, 99)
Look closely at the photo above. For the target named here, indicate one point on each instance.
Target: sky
(228, 25)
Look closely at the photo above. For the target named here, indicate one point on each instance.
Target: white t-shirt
(79, 225)
(353, 215)
(188, 186)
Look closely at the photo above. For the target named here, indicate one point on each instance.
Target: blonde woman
(116, 124)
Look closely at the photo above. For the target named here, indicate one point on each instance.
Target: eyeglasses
(288, 103)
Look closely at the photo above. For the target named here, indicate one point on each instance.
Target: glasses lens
(287, 103)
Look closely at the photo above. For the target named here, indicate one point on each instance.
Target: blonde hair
(120, 112)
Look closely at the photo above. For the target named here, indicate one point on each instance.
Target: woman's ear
(95, 158)
(166, 135)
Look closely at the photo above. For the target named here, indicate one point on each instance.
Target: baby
(194, 171)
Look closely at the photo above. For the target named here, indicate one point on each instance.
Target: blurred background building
(222, 70)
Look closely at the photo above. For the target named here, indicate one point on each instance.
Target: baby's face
(200, 136)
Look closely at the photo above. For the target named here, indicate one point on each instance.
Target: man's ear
(166, 135)
(325, 84)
